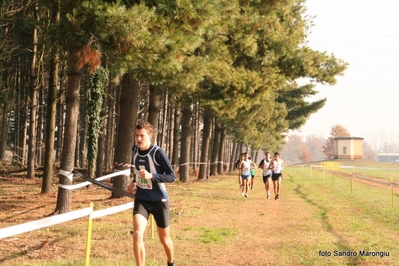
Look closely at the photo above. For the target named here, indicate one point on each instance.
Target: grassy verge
(361, 220)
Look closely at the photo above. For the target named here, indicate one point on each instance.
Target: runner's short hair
(145, 125)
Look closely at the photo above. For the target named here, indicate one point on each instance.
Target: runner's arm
(168, 174)
(271, 165)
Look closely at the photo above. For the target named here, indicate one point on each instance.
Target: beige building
(348, 148)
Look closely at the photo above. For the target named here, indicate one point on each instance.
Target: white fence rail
(62, 218)
(73, 215)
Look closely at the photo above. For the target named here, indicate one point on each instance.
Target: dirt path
(262, 226)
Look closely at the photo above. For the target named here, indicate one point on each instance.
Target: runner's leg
(139, 225)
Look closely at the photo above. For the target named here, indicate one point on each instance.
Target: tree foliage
(336, 131)
(239, 61)
(315, 145)
(97, 82)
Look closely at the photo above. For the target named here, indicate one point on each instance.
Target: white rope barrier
(175, 165)
(109, 211)
(34, 225)
(83, 184)
(67, 174)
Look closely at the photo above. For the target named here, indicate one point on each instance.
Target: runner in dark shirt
(153, 168)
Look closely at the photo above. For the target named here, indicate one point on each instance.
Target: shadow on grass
(26, 249)
(23, 212)
(326, 222)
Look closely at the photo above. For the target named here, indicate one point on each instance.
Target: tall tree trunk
(243, 148)
(206, 139)
(196, 137)
(3, 131)
(233, 159)
(184, 168)
(176, 136)
(215, 149)
(110, 137)
(255, 158)
(162, 134)
(33, 101)
(59, 134)
(64, 198)
(51, 112)
(4, 114)
(231, 154)
(227, 153)
(221, 151)
(24, 125)
(154, 110)
(127, 121)
(17, 118)
(98, 81)
(101, 140)
(171, 112)
(82, 128)
(40, 132)
(117, 112)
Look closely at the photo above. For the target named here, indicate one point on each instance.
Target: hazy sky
(365, 34)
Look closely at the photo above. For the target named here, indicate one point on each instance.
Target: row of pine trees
(214, 77)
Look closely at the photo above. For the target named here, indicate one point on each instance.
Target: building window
(344, 150)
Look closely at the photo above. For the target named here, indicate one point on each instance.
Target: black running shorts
(265, 177)
(275, 176)
(160, 211)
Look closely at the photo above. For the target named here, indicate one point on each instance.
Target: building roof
(337, 138)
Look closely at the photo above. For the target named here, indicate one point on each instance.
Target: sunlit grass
(362, 218)
(211, 235)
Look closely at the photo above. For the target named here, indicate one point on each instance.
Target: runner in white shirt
(245, 168)
(276, 166)
(267, 173)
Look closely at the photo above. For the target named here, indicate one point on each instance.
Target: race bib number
(143, 183)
